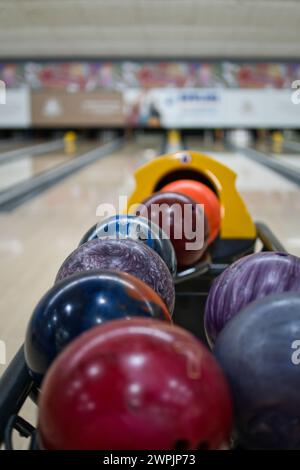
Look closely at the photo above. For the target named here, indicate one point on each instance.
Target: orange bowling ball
(201, 194)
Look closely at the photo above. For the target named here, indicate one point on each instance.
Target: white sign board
(188, 108)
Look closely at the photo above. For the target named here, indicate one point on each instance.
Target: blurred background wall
(161, 63)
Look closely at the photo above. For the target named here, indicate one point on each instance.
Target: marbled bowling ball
(183, 220)
(259, 351)
(138, 384)
(80, 302)
(123, 255)
(139, 229)
(248, 279)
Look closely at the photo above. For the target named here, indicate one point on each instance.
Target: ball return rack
(192, 286)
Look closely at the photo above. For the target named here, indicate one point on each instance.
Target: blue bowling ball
(136, 228)
(81, 302)
(259, 351)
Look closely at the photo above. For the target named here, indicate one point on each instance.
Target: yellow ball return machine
(237, 232)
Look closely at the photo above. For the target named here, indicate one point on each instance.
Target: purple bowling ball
(124, 255)
(248, 279)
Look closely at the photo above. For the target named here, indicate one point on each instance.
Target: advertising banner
(211, 108)
(82, 109)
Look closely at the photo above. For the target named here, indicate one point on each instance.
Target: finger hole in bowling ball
(181, 444)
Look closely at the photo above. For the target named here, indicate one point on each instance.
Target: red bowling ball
(201, 194)
(182, 220)
(135, 384)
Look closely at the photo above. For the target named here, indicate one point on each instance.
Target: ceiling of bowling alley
(149, 28)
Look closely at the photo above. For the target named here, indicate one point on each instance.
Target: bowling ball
(182, 220)
(259, 351)
(81, 302)
(201, 194)
(123, 255)
(136, 228)
(138, 384)
(250, 278)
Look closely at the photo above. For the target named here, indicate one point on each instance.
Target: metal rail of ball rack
(192, 286)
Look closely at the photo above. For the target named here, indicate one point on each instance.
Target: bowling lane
(36, 238)
(269, 197)
(28, 166)
(209, 143)
(291, 160)
(286, 156)
(8, 145)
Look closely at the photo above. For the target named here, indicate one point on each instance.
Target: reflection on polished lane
(29, 166)
(14, 144)
(291, 160)
(15, 172)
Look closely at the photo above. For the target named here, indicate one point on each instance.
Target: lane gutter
(260, 157)
(291, 145)
(22, 192)
(32, 150)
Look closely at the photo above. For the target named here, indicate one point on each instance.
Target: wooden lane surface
(37, 237)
